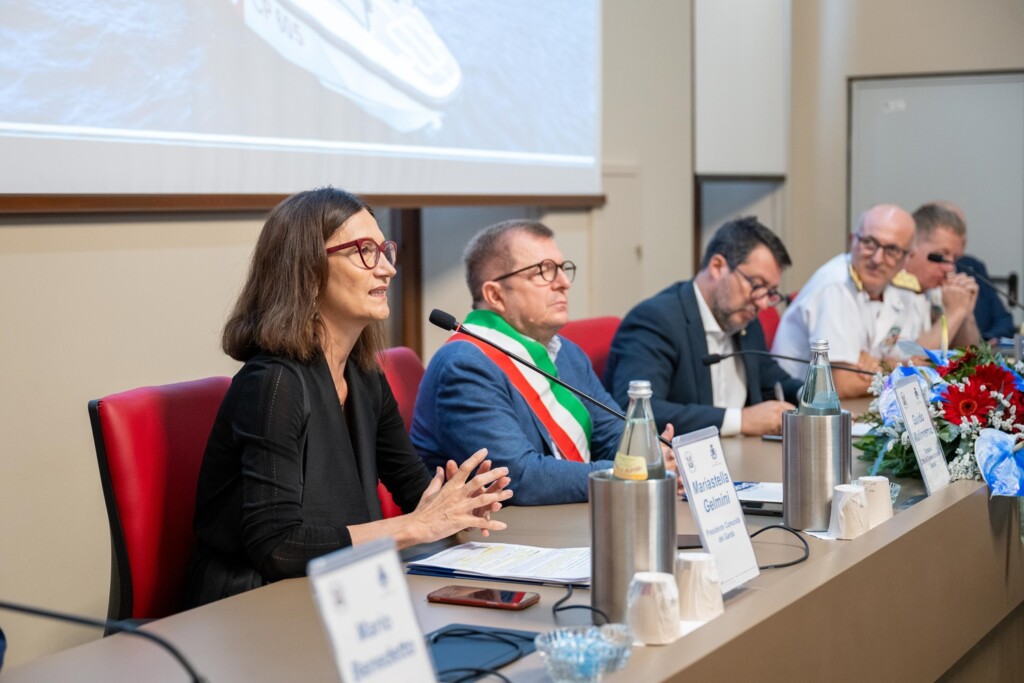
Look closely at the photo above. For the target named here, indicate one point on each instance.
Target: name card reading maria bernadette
(365, 605)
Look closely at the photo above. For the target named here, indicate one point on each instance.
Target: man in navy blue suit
(665, 338)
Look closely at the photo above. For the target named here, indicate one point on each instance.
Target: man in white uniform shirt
(851, 301)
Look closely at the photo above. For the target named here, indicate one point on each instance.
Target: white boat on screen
(382, 54)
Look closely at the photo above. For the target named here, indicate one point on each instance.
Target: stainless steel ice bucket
(632, 529)
(816, 455)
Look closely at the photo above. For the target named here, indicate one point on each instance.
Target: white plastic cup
(652, 608)
(879, 499)
(700, 593)
(849, 512)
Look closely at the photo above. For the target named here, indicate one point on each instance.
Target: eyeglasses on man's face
(761, 292)
(369, 251)
(546, 269)
(869, 245)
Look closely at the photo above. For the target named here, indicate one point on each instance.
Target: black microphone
(1010, 299)
(713, 358)
(110, 626)
(447, 321)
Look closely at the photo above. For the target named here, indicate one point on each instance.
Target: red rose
(970, 401)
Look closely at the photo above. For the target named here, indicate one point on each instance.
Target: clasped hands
(959, 291)
(455, 500)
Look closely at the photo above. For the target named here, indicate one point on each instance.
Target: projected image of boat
(382, 54)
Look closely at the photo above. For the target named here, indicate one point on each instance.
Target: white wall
(741, 86)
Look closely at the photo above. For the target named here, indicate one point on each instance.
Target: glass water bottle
(639, 455)
(818, 395)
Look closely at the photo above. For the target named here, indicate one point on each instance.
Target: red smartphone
(483, 597)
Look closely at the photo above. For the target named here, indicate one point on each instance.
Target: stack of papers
(507, 562)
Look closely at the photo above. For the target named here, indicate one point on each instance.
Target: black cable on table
(473, 674)
(807, 548)
(557, 607)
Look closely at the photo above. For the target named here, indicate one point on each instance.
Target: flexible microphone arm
(447, 321)
(114, 626)
(713, 358)
(939, 258)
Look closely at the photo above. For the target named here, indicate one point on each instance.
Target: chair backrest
(404, 372)
(594, 336)
(769, 318)
(150, 444)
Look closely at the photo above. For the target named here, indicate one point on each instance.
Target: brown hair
(488, 254)
(276, 310)
(930, 217)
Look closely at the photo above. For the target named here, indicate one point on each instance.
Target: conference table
(934, 592)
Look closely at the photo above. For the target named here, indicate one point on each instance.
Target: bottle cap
(640, 388)
(819, 345)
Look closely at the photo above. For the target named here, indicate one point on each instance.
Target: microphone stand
(447, 321)
(114, 626)
(713, 358)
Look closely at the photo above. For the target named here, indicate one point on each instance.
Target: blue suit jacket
(466, 402)
(662, 339)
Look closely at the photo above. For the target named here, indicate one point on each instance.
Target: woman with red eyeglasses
(309, 423)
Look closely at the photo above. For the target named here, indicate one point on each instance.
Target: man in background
(852, 302)
(940, 233)
(990, 315)
(666, 338)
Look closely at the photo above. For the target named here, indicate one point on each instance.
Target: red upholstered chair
(594, 336)
(150, 444)
(404, 372)
(769, 318)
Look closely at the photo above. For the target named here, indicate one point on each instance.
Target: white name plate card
(365, 606)
(715, 505)
(923, 437)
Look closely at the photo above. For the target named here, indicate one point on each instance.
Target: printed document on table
(504, 561)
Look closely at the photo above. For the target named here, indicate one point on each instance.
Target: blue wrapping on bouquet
(931, 383)
(1000, 463)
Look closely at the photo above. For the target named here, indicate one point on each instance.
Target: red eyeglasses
(369, 251)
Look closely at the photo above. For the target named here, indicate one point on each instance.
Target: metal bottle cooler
(817, 455)
(632, 529)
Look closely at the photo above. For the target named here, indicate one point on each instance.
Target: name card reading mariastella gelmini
(715, 505)
(364, 603)
(923, 437)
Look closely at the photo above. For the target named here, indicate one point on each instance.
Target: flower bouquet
(976, 401)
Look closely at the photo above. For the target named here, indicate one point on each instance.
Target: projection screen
(432, 97)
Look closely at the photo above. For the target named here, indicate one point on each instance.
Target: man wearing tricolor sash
(473, 395)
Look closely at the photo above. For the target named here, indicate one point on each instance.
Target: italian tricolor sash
(561, 413)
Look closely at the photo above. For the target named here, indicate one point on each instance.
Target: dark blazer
(662, 339)
(287, 470)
